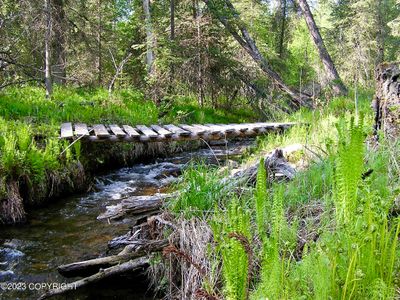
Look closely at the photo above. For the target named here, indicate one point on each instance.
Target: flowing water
(67, 230)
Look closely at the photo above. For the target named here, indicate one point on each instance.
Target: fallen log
(275, 162)
(137, 206)
(91, 266)
(130, 266)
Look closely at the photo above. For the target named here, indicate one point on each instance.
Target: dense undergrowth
(35, 161)
(328, 234)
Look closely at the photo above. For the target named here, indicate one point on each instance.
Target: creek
(67, 230)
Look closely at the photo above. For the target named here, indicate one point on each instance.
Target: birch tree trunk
(330, 70)
(172, 39)
(197, 15)
(99, 63)
(149, 37)
(47, 50)
(59, 68)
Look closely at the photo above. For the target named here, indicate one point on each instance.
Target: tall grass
(201, 190)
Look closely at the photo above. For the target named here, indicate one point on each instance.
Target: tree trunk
(330, 70)
(149, 37)
(283, 27)
(380, 37)
(387, 100)
(99, 63)
(238, 30)
(199, 62)
(47, 41)
(59, 71)
(172, 39)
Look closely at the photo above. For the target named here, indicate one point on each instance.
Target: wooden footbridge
(164, 133)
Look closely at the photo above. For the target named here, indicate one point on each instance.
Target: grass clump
(199, 188)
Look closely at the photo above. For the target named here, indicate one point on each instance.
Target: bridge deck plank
(101, 131)
(162, 131)
(193, 129)
(177, 130)
(131, 131)
(81, 129)
(66, 131)
(147, 131)
(117, 130)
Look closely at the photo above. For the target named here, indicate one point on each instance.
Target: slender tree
(172, 38)
(99, 61)
(59, 68)
(149, 37)
(330, 69)
(47, 50)
(283, 12)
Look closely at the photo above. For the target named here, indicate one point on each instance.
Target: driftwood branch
(129, 266)
(137, 206)
(91, 266)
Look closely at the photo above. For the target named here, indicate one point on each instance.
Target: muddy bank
(18, 196)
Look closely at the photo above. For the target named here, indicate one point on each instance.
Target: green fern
(261, 199)
(24, 137)
(235, 258)
(349, 169)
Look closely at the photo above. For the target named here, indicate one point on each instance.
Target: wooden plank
(101, 131)
(227, 128)
(193, 129)
(161, 131)
(66, 131)
(207, 129)
(131, 131)
(240, 127)
(177, 130)
(216, 128)
(147, 131)
(81, 129)
(117, 130)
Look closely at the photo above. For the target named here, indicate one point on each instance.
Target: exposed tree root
(12, 208)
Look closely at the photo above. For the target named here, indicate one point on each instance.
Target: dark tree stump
(387, 100)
